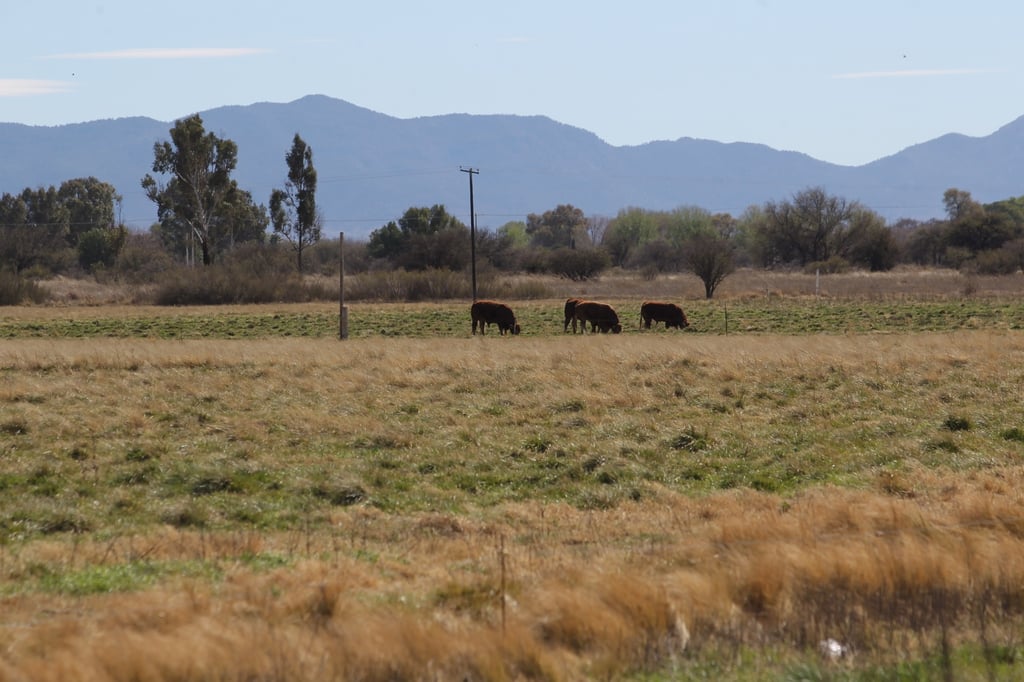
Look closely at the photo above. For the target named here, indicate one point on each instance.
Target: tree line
(204, 217)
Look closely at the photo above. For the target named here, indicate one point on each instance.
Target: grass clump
(690, 440)
(15, 290)
(1015, 434)
(957, 423)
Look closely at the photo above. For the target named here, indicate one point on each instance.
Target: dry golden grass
(905, 550)
(587, 594)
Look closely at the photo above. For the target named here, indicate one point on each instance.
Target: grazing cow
(601, 316)
(492, 312)
(669, 313)
(570, 309)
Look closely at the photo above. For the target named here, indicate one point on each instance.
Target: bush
(322, 258)
(402, 285)
(142, 259)
(99, 247)
(995, 262)
(250, 273)
(578, 264)
(233, 283)
(15, 290)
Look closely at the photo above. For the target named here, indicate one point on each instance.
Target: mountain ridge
(373, 166)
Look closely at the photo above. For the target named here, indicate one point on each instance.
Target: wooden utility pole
(343, 309)
(472, 227)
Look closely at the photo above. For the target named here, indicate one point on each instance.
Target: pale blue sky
(846, 82)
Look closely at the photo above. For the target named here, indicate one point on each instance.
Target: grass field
(233, 493)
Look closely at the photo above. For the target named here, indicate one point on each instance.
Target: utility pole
(342, 308)
(472, 226)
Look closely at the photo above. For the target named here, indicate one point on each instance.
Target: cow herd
(579, 312)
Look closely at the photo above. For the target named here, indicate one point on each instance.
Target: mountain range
(372, 167)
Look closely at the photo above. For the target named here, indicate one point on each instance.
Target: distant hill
(372, 167)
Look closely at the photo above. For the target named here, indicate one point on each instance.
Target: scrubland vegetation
(232, 493)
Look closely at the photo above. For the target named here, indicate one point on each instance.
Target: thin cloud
(910, 73)
(165, 53)
(23, 87)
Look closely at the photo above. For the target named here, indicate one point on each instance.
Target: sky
(845, 82)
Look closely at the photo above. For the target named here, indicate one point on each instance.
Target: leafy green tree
(45, 209)
(92, 229)
(422, 238)
(563, 226)
(387, 241)
(90, 205)
(293, 209)
(514, 232)
(959, 204)
(658, 255)
(678, 226)
(240, 221)
(200, 197)
(630, 229)
(100, 246)
(33, 228)
(1012, 209)
(972, 226)
(43, 227)
(870, 243)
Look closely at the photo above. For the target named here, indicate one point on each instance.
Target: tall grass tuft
(15, 290)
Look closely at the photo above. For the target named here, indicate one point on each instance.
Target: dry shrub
(233, 284)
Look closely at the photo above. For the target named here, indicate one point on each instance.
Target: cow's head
(515, 328)
(616, 328)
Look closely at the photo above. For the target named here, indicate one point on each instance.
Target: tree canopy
(293, 210)
(564, 226)
(45, 227)
(200, 200)
(423, 238)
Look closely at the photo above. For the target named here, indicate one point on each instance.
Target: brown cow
(669, 313)
(600, 316)
(492, 312)
(570, 308)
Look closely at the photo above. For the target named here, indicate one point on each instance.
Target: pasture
(233, 493)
